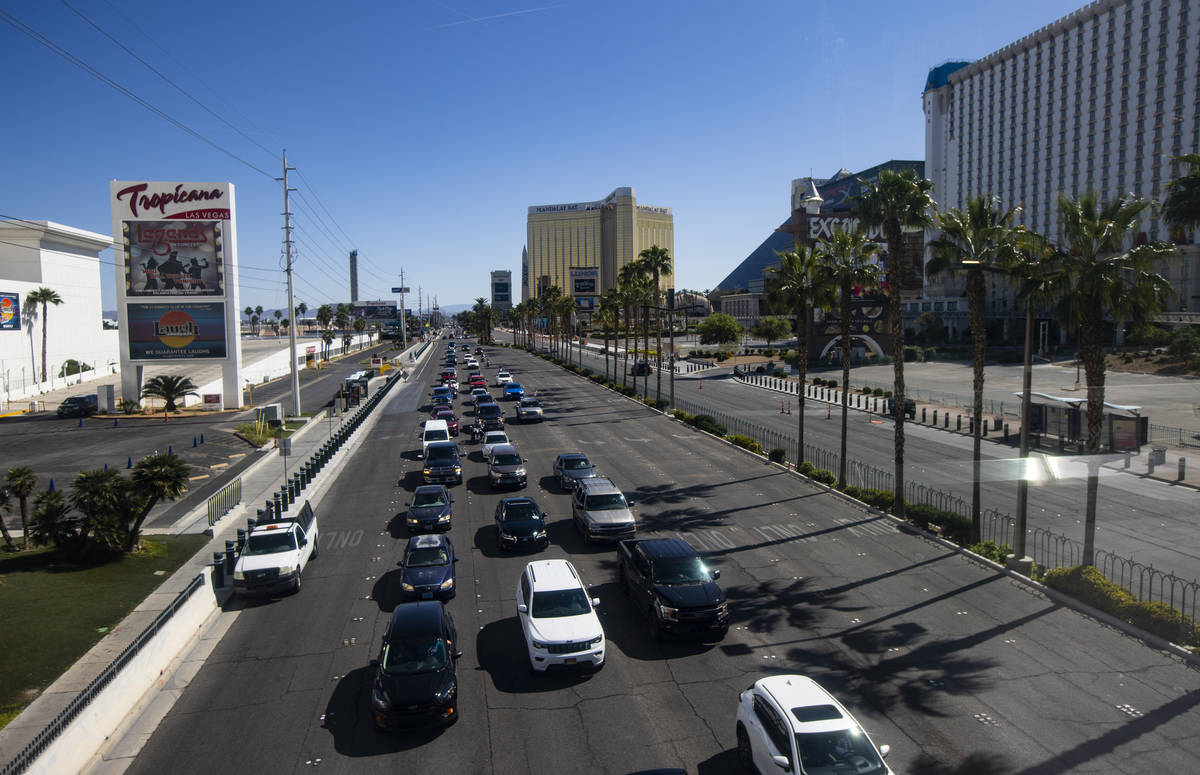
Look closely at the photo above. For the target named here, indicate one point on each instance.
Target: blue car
(428, 569)
(514, 391)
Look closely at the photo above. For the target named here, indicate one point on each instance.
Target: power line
(82, 65)
(152, 69)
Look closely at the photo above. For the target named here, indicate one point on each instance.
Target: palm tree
(850, 259)
(50, 524)
(258, 311)
(21, 483)
(658, 261)
(1182, 206)
(44, 296)
(325, 320)
(155, 478)
(360, 325)
(326, 340)
(301, 310)
(1100, 276)
(169, 388)
(249, 313)
(800, 283)
(980, 239)
(278, 315)
(341, 317)
(378, 334)
(8, 542)
(546, 303)
(896, 201)
(100, 495)
(606, 318)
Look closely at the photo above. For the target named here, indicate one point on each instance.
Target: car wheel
(296, 586)
(316, 547)
(745, 756)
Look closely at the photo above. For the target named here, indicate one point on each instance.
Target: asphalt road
(59, 449)
(1147, 521)
(956, 667)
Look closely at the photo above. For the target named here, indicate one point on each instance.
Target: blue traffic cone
(106, 466)
(51, 485)
(130, 463)
(193, 441)
(80, 422)
(170, 450)
(114, 422)
(201, 438)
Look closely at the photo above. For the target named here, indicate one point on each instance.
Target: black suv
(491, 416)
(78, 406)
(667, 580)
(520, 524)
(442, 463)
(416, 683)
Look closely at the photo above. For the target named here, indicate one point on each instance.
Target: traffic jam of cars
(779, 721)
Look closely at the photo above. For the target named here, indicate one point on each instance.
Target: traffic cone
(828, 411)
(201, 438)
(781, 407)
(194, 441)
(130, 463)
(789, 406)
(701, 383)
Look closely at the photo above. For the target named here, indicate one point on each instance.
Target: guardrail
(39, 744)
(1047, 548)
(223, 502)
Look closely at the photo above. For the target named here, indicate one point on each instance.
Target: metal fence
(30, 753)
(1047, 548)
(223, 502)
(1179, 437)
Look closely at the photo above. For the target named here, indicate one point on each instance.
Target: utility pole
(287, 241)
(403, 322)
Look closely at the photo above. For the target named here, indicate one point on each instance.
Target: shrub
(913, 353)
(627, 390)
(824, 477)
(1164, 621)
(585, 372)
(955, 527)
(777, 455)
(1193, 364)
(1183, 342)
(806, 468)
(853, 491)
(745, 442)
(1088, 585)
(991, 551)
(709, 424)
(661, 403)
(679, 414)
(880, 499)
(832, 383)
(769, 352)
(129, 406)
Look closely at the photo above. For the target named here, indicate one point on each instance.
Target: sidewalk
(259, 481)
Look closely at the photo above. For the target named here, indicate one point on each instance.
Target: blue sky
(423, 129)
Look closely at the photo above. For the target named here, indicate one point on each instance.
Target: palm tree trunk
(43, 341)
(802, 317)
(976, 291)
(646, 339)
(625, 366)
(135, 530)
(845, 381)
(896, 324)
(1092, 354)
(658, 349)
(8, 542)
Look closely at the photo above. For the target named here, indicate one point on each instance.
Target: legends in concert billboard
(176, 331)
(173, 258)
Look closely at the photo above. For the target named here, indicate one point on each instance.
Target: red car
(448, 416)
(479, 381)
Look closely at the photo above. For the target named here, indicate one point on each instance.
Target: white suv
(503, 378)
(558, 618)
(787, 717)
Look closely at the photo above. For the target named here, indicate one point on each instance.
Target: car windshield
(437, 435)
(414, 655)
(518, 510)
(576, 464)
(442, 454)
(560, 602)
(507, 459)
(426, 557)
(605, 502)
(833, 753)
(495, 438)
(680, 570)
(429, 499)
(489, 410)
(530, 402)
(270, 543)
(513, 386)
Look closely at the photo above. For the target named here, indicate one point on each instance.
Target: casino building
(581, 246)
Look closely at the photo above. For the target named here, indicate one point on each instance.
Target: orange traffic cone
(828, 411)
(789, 406)
(781, 407)
(701, 384)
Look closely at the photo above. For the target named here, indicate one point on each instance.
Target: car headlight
(287, 570)
(404, 585)
(444, 518)
(521, 471)
(428, 471)
(448, 584)
(380, 698)
(539, 534)
(239, 576)
(537, 644)
(458, 469)
(667, 612)
(507, 537)
(446, 692)
(597, 640)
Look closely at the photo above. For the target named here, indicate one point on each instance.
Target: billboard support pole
(291, 300)
(403, 321)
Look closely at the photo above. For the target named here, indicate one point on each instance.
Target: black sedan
(429, 509)
(520, 524)
(416, 683)
(428, 568)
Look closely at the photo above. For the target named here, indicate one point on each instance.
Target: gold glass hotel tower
(603, 236)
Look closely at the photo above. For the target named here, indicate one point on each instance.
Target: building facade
(1099, 101)
(501, 286)
(601, 236)
(44, 254)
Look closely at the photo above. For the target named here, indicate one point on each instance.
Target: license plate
(569, 661)
(426, 595)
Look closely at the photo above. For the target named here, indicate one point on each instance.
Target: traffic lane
(288, 685)
(896, 649)
(1146, 520)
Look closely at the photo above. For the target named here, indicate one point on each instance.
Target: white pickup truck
(276, 553)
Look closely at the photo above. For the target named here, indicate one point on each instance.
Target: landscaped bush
(1088, 585)
(853, 491)
(991, 551)
(1164, 621)
(679, 414)
(745, 442)
(824, 477)
(777, 455)
(661, 403)
(709, 424)
(806, 468)
(955, 527)
(880, 499)
(913, 353)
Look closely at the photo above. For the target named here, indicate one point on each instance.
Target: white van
(431, 431)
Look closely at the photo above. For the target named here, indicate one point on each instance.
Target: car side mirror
(595, 601)
(457, 654)
(303, 541)
(782, 763)
(522, 608)
(884, 750)
(716, 573)
(399, 563)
